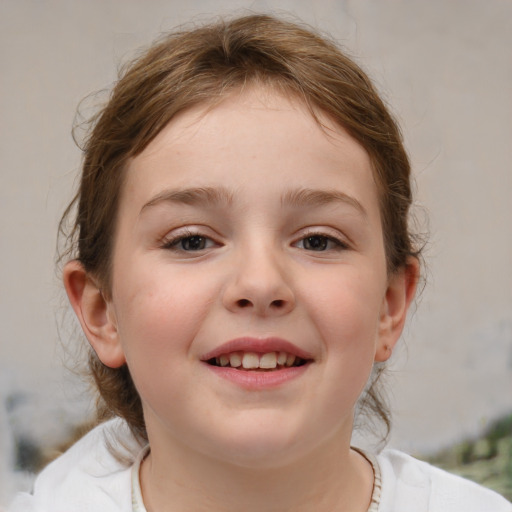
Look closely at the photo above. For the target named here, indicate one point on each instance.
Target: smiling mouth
(252, 361)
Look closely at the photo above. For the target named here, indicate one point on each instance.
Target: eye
(319, 243)
(193, 243)
(189, 243)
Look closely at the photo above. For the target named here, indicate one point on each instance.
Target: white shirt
(88, 478)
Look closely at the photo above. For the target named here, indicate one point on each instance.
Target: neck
(333, 478)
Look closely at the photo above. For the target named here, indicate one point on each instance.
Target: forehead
(252, 136)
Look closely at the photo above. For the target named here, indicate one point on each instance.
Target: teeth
(268, 360)
(250, 360)
(235, 360)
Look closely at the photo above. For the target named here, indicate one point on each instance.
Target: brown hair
(202, 66)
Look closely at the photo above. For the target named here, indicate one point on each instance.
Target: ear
(95, 314)
(399, 295)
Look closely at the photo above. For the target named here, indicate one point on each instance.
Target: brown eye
(320, 243)
(193, 243)
(189, 243)
(316, 243)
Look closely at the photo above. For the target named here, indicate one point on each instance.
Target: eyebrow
(213, 196)
(313, 197)
(192, 196)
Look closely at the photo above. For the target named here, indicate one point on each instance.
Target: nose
(259, 284)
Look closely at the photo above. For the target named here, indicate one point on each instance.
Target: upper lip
(257, 345)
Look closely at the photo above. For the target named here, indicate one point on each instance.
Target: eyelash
(340, 245)
(173, 242)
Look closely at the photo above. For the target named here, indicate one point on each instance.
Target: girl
(242, 268)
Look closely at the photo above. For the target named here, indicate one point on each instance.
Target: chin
(259, 445)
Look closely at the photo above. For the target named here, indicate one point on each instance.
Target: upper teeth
(252, 360)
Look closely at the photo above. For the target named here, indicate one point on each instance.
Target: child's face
(249, 223)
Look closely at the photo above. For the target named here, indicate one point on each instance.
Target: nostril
(243, 303)
(277, 303)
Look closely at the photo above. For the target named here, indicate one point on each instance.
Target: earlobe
(399, 295)
(94, 313)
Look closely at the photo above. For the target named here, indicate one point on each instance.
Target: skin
(216, 445)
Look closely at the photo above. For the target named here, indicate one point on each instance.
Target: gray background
(446, 69)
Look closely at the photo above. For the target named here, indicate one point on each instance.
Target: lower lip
(257, 380)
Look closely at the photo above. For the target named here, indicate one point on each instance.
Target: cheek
(159, 314)
(156, 319)
(347, 309)
(157, 324)
(346, 314)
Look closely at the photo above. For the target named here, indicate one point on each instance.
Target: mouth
(256, 364)
(254, 361)
(255, 354)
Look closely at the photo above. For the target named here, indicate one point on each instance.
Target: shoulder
(409, 484)
(87, 477)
